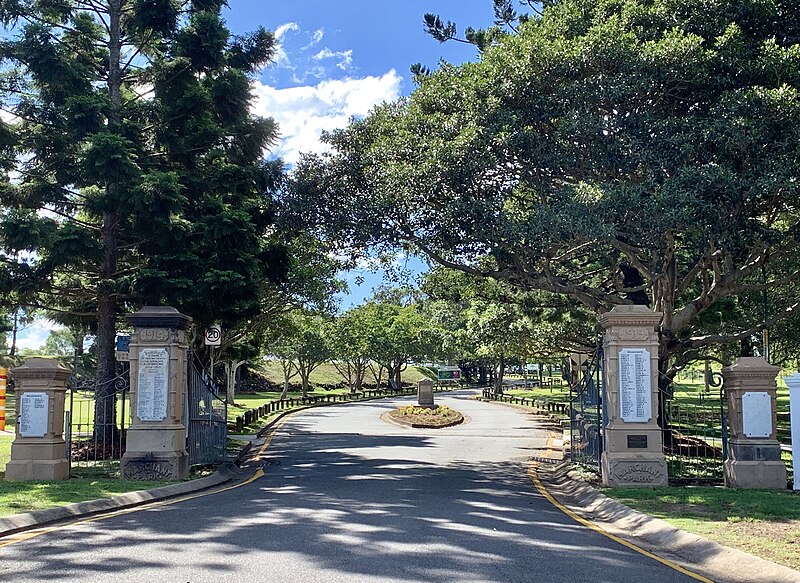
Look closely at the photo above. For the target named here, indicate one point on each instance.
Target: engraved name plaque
(635, 398)
(33, 414)
(757, 414)
(152, 388)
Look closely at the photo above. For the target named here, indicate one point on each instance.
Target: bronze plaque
(637, 442)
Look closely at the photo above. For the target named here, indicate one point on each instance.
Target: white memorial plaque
(635, 393)
(152, 387)
(33, 414)
(757, 414)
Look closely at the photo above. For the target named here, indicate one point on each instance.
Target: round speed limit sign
(213, 335)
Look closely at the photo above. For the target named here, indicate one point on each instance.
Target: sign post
(213, 339)
(3, 385)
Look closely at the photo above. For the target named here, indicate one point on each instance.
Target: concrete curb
(38, 518)
(696, 553)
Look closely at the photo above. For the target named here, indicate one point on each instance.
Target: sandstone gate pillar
(633, 453)
(754, 453)
(39, 451)
(156, 440)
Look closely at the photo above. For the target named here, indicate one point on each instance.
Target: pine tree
(135, 167)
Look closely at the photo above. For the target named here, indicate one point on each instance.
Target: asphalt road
(349, 497)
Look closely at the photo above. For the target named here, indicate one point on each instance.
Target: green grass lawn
(326, 374)
(5, 451)
(18, 497)
(765, 523)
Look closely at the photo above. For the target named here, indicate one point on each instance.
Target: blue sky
(337, 59)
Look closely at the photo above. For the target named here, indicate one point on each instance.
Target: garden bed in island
(434, 417)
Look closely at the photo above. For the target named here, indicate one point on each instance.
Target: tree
(402, 334)
(140, 167)
(348, 339)
(301, 347)
(611, 152)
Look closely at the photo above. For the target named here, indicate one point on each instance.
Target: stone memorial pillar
(633, 454)
(425, 393)
(156, 440)
(39, 451)
(754, 453)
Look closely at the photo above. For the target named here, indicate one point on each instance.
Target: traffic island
(435, 417)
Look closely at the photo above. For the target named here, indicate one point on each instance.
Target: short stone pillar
(39, 451)
(754, 453)
(156, 440)
(633, 454)
(425, 393)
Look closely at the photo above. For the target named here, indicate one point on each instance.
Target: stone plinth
(425, 393)
(633, 454)
(156, 440)
(754, 453)
(39, 450)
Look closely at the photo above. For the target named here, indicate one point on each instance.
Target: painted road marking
(149, 506)
(532, 474)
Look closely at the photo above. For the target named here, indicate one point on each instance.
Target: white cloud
(316, 38)
(345, 57)
(34, 335)
(284, 28)
(281, 59)
(303, 113)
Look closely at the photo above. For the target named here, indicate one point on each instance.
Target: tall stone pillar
(156, 440)
(39, 451)
(754, 453)
(633, 454)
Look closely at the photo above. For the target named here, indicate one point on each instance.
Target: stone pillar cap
(752, 364)
(39, 366)
(793, 380)
(630, 315)
(159, 317)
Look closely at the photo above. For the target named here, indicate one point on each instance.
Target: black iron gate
(696, 430)
(208, 417)
(586, 412)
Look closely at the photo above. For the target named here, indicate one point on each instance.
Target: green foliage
(611, 152)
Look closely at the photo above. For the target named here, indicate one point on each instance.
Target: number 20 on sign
(3, 381)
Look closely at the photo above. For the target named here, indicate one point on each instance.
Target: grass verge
(18, 497)
(765, 523)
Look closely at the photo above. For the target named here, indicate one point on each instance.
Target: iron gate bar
(586, 413)
(207, 429)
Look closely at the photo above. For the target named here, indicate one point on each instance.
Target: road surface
(348, 497)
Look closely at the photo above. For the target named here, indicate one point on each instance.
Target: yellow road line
(256, 475)
(532, 474)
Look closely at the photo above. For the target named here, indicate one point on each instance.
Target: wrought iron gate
(586, 413)
(208, 417)
(695, 438)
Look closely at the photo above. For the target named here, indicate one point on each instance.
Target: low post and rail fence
(252, 415)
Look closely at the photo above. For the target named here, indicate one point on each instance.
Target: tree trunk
(105, 392)
(498, 377)
(13, 350)
(230, 374)
(305, 373)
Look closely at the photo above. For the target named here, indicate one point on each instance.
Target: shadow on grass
(711, 503)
